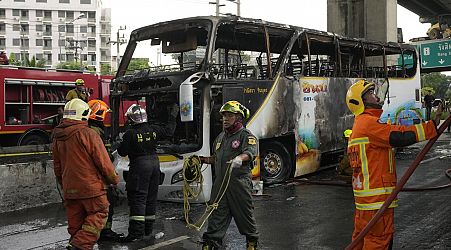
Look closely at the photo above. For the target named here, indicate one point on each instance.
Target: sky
(304, 13)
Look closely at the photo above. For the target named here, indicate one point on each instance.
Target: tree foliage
(138, 64)
(439, 83)
(105, 69)
(70, 65)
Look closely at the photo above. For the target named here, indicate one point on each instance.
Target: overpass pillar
(369, 19)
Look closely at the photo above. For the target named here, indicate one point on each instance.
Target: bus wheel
(275, 163)
(34, 139)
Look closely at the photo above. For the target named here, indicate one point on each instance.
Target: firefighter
(3, 58)
(370, 152)
(237, 147)
(139, 143)
(78, 92)
(99, 110)
(83, 168)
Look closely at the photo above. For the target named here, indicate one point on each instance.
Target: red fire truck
(30, 98)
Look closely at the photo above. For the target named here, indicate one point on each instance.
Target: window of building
(61, 57)
(39, 56)
(92, 29)
(64, 1)
(84, 57)
(61, 42)
(61, 28)
(39, 42)
(92, 57)
(19, 0)
(91, 15)
(2, 13)
(39, 27)
(24, 27)
(2, 43)
(70, 57)
(61, 14)
(41, 1)
(70, 28)
(47, 13)
(25, 43)
(83, 29)
(16, 12)
(2, 27)
(85, 1)
(24, 13)
(16, 27)
(48, 58)
(16, 42)
(48, 43)
(39, 13)
(70, 15)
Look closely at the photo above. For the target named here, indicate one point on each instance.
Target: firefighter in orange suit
(372, 159)
(84, 170)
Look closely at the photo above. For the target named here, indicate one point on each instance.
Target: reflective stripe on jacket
(372, 159)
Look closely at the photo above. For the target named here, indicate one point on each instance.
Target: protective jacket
(372, 159)
(81, 162)
(75, 93)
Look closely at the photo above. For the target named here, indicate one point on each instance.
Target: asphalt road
(294, 215)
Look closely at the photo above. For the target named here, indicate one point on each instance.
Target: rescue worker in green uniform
(235, 147)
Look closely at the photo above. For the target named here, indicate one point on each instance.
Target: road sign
(435, 53)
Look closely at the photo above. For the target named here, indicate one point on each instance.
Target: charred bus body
(294, 81)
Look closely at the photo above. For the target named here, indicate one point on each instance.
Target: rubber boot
(135, 232)
(72, 247)
(109, 235)
(209, 245)
(252, 245)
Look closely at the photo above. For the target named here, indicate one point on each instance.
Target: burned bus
(293, 80)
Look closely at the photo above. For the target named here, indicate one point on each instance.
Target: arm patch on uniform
(251, 140)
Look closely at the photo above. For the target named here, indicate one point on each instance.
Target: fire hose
(399, 186)
(192, 173)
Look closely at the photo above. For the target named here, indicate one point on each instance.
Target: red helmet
(99, 109)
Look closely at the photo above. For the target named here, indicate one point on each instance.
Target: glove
(236, 162)
(174, 111)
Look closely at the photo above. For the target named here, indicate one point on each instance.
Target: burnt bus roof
(145, 33)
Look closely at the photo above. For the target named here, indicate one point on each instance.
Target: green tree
(105, 69)
(138, 64)
(440, 84)
(70, 65)
(13, 60)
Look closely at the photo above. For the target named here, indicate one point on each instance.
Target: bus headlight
(177, 177)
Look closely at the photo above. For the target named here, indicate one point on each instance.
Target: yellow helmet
(236, 108)
(354, 96)
(79, 82)
(76, 109)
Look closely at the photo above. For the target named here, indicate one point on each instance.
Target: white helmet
(136, 114)
(76, 109)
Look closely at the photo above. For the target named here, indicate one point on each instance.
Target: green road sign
(435, 54)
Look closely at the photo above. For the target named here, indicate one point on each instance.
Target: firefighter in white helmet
(84, 170)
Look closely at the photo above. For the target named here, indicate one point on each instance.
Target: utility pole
(218, 5)
(238, 3)
(119, 40)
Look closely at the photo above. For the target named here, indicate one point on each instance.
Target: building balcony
(91, 48)
(47, 33)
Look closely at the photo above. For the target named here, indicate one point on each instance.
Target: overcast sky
(303, 13)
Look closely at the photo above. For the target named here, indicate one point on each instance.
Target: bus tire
(34, 139)
(275, 163)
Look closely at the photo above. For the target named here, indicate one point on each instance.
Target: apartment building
(57, 31)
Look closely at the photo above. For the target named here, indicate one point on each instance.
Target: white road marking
(166, 243)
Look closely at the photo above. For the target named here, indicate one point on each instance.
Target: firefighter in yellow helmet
(236, 147)
(78, 92)
(373, 162)
(84, 170)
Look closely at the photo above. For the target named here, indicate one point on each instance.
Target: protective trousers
(142, 192)
(236, 203)
(112, 200)
(381, 235)
(86, 218)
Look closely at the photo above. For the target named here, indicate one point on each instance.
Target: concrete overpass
(376, 20)
(427, 8)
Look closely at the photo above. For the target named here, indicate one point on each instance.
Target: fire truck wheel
(275, 163)
(34, 139)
